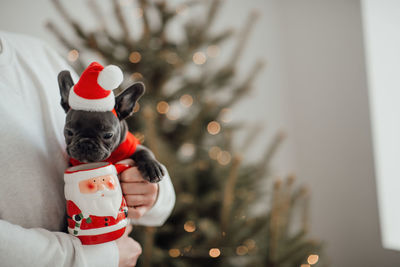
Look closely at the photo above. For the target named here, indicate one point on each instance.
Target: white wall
(327, 92)
(315, 88)
(382, 38)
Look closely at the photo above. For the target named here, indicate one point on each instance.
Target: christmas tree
(185, 119)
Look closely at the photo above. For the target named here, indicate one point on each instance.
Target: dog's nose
(86, 146)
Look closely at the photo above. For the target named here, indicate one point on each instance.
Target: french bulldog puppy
(92, 136)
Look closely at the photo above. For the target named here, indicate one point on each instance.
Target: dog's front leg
(147, 164)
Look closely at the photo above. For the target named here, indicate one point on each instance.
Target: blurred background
(313, 88)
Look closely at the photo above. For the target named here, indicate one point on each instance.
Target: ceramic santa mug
(96, 209)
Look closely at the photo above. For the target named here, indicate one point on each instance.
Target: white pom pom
(110, 77)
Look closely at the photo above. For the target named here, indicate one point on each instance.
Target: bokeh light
(214, 253)
(214, 152)
(213, 127)
(186, 100)
(312, 259)
(241, 250)
(174, 252)
(135, 57)
(224, 157)
(73, 55)
(226, 115)
(174, 113)
(136, 76)
(187, 149)
(199, 58)
(189, 226)
(162, 107)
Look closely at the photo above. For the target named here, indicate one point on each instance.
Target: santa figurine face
(94, 188)
(99, 184)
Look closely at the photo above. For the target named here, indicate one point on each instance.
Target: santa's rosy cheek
(90, 186)
(110, 184)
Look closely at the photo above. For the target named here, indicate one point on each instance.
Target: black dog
(92, 136)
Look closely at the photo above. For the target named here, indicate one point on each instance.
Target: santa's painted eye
(108, 135)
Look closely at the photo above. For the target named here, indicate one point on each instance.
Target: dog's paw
(151, 170)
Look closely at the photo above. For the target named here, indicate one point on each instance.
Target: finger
(128, 230)
(129, 162)
(138, 188)
(135, 200)
(139, 200)
(137, 212)
(132, 175)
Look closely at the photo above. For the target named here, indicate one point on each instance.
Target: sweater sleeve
(38, 247)
(163, 207)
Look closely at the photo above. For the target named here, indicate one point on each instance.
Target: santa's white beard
(96, 204)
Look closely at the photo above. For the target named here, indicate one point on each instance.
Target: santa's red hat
(93, 91)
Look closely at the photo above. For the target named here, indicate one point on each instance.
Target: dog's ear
(65, 83)
(125, 101)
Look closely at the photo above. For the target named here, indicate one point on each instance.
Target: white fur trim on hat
(86, 171)
(110, 77)
(79, 103)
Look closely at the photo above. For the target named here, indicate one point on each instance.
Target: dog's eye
(69, 132)
(108, 135)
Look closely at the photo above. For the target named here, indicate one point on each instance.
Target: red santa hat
(93, 91)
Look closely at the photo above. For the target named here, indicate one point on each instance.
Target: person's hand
(140, 194)
(129, 250)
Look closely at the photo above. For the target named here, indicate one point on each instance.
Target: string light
(312, 259)
(199, 58)
(242, 250)
(213, 127)
(226, 115)
(137, 12)
(250, 244)
(187, 150)
(73, 55)
(212, 51)
(172, 58)
(213, 152)
(224, 157)
(186, 100)
(214, 253)
(136, 76)
(174, 252)
(174, 113)
(135, 57)
(189, 226)
(162, 107)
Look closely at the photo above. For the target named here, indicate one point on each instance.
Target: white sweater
(33, 159)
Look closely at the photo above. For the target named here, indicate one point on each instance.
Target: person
(33, 158)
